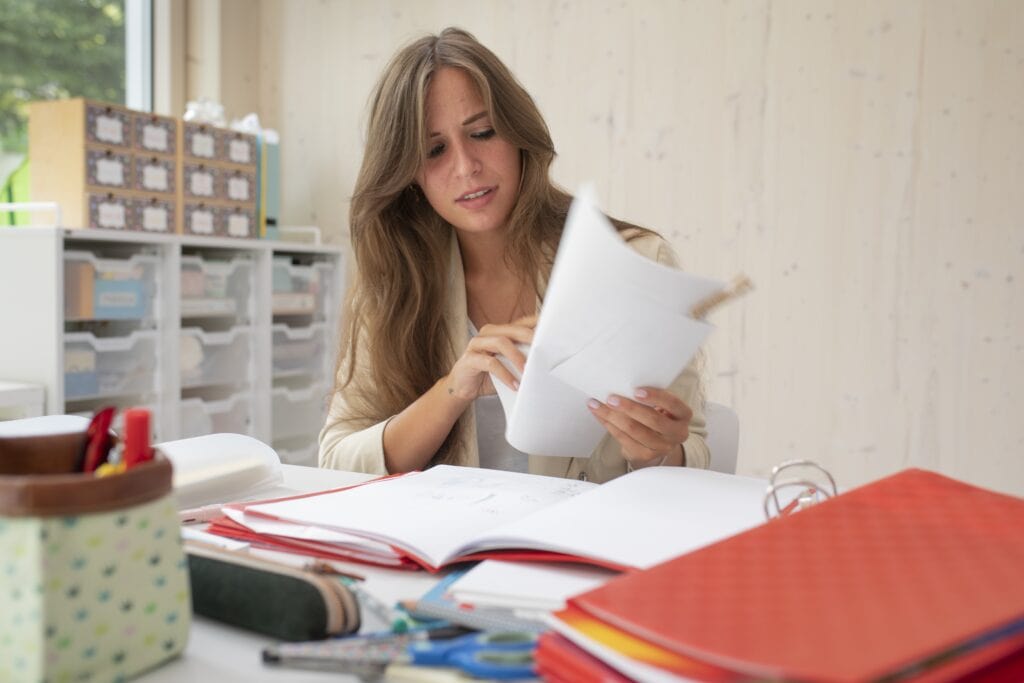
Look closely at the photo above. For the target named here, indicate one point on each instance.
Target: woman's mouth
(475, 194)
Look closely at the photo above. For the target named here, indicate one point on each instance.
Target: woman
(454, 225)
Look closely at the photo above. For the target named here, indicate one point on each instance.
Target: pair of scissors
(501, 655)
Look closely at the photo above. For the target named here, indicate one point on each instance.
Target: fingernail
(515, 385)
(593, 404)
(613, 401)
(640, 393)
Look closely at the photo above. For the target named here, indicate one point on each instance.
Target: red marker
(97, 441)
(136, 437)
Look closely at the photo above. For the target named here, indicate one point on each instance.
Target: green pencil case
(274, 599)
(93, 582)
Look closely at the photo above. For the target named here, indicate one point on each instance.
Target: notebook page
(639, 519)
(430, 514)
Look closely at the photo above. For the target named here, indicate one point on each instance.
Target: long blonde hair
(395, 326)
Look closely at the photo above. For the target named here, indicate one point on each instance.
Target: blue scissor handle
(495, 664)
(501, 655)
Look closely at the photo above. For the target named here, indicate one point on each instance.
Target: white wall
(862, 161)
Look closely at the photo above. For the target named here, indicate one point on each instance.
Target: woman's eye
(484, 134)
(435, 151)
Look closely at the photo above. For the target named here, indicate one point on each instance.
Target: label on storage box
(238, 225)
(238, 151)
(154, 177)
(238, 189)
(109, 129)
(154, 218)
(202, 145)
(117, 299)
(202, 222)
(111, 215)
(154, 137)
(110, 172)
(201, 184)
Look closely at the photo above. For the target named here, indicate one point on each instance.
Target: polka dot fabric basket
(93, 581)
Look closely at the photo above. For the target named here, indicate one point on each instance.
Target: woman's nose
(467, 163)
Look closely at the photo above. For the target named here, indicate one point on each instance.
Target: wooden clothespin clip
(739, 286)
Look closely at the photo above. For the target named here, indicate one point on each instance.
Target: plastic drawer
(298, 412)
(109, 366)
(200, 417)
(107, 288)
(216, 357)
(211, 288)
(329, 297)
(299, 456)
(296, 288)
(299, 350)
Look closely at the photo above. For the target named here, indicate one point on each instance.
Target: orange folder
(875, 583)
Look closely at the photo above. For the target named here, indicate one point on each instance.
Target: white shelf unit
(211, 334)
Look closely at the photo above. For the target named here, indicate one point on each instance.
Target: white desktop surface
(223, 654)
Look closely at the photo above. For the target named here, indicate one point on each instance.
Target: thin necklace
(517, 306)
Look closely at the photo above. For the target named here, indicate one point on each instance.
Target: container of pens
(93, 582)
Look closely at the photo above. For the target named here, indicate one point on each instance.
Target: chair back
(723, 436)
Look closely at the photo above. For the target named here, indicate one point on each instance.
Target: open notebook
(451, 514)
(222, 467)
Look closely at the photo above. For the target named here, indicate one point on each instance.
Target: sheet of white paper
(526, 585)
(640, 519)
(612, 320)
(305, 532)
(430, 513)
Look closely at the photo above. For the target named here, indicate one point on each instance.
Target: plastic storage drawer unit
(108, 366)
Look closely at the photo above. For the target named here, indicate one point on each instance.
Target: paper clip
(812, 488)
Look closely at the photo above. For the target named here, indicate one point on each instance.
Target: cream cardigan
(350, 444)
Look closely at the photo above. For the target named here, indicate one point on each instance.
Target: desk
(224, 654)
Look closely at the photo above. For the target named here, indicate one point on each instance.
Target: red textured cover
(559, 660)
(853, 589)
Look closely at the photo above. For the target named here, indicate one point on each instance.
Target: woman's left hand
(650, 427)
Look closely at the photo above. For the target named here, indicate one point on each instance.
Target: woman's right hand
(468, 377)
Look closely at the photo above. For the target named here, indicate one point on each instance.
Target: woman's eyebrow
(475, 117)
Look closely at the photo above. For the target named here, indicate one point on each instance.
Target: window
(53, 49)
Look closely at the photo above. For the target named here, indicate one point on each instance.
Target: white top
(495, 452)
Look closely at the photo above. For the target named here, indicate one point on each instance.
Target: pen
(367, 653)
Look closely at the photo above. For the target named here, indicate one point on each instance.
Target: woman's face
(471, 175)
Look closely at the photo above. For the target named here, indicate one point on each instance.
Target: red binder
(874, 583)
